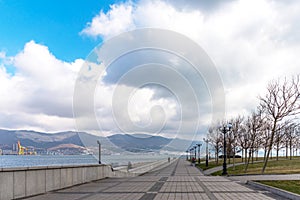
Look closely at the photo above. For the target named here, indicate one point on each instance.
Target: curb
(280, 192)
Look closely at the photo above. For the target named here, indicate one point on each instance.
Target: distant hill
(146, 143)
(45, 140)
(112, 144)
(66, 146)
(137, 144)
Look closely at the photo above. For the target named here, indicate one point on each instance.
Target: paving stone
(178, 181)
(118, 196)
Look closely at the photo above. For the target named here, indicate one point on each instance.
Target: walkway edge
(274, 190)
(143, 169)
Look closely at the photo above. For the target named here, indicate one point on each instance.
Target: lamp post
(195, 149)
(199, 145)
(206, 157)
(225, 130)
(99, 151)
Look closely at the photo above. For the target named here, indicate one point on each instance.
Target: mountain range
(111, 144)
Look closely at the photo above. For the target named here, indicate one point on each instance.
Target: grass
(213, 163)
(281, 166)
(291, 186)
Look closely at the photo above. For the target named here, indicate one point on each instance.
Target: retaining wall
(29, 181)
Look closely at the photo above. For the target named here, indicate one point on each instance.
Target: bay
(9, 161)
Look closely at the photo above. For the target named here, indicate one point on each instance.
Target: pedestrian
(193, 161)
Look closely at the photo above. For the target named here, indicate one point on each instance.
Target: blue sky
(54, 23)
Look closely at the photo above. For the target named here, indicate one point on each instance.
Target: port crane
(21, 150)
(24, 150)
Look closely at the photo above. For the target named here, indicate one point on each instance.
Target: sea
(9, 161)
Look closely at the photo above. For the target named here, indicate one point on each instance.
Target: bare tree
(290, 138)
(265, 136)
(236, 132)
(254, 123)
(244, 142)
(230, 140)
(215, 138)
(296, 144)
(279, 139)
(280, 102)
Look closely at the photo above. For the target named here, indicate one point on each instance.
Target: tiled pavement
(177, 181)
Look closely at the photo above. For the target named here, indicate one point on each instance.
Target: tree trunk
(290, 149)
(242, 154)
(217, 156)
(286, 150)
(277, 151)
(234, 158)
(229, 154)
(252, 153)
(265, 152)
(246, 151)
(247, 163)
(270, 148)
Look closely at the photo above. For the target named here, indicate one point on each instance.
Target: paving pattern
(177, 181)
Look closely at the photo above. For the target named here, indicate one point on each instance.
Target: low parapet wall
(29, 181)
(151, 166)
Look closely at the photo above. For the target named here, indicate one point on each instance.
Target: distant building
(8, 152)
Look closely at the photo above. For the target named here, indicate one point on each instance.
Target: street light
(195, 148)
(199, 145)
(225, 130)
(99, 151)
(187, 155)
(206, 157)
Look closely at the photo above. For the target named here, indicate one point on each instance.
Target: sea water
(8, 161)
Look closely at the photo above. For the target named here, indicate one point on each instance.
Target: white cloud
(2, 54)
(251, 42)
(40, 92)
(117, 19)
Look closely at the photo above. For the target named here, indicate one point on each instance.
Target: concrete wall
(29, 181)
(141, 169)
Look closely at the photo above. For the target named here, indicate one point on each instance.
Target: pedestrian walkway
(177, 181)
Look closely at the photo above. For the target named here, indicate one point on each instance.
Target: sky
(45, 44)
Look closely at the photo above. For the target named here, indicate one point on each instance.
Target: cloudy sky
(44, 45)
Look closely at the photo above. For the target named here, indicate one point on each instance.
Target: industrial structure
(25, 150)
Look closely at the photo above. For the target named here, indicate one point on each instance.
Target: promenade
(176, 181)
